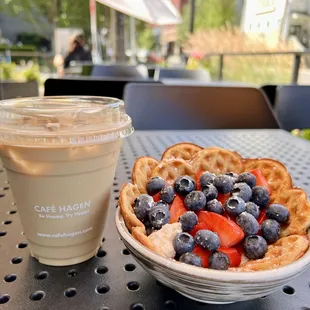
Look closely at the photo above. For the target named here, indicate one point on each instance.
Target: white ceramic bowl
(207, 285)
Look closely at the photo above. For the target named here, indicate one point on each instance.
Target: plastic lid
(60, 121)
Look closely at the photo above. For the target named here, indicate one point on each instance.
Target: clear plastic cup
(60, 154)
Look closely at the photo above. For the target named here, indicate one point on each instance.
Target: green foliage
(32, 73)
(145, 39)
(208, 14)
(7, 71)
(15, 48)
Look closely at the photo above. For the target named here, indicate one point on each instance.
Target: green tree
(209, 14)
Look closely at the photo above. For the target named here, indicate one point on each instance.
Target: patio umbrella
(158, 12)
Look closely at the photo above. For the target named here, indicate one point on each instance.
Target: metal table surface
(113, 280)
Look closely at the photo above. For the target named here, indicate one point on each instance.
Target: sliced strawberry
(203, 254)
(233, 254)
(260, 179)
(228, 231)
(239, 248)
(198, 175)
(156, 197)
(262, 217)
(222, 198)
(177, 209)
(197, 227)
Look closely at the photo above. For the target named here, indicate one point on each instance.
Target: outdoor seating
(121, 71)
(292, 107)
(210, 107)
(83, 86)
(178, 73)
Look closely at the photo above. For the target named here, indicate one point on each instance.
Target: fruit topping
(243, 191)
(191, 259)
(188, 220)
(195, 201)
(183, 243)
(142, 205)
(247, 178)
(278, 212)
(205, 178)
(210, 192)
(223, 183)
(248, 223)
(154, 185)
(270, 230)
(214, 206)
(260, 196)
(207, 240)
(219, 261)
(177, 209)
(167, 194)
(159, 215)
(183, 185)
(252, 208)
(234, 206)
(255, 247)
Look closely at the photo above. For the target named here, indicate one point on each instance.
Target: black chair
(120, 71)
(179, 73)
(171, 107)
(292, 106)
(270, 92)
(9, 90)
(82, 86)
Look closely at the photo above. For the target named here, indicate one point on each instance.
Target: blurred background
(248, 41)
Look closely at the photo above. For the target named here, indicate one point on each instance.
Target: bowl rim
(204, 273)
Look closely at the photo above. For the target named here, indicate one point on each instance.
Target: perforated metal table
(113, 280)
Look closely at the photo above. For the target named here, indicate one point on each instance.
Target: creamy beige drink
(60, 162)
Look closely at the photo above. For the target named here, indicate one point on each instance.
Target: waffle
(176, 162)
(285, 251)
(184, 151)
(142, 171)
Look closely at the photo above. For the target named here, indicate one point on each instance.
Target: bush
(7, 71)
(264, 69)
(32, 73)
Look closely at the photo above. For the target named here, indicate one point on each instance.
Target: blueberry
(234, 206)
(223, 183)
(255, 247)
(243, 191)
(219, 261)
(214, 206)
(159, 215)
(154, 185)
(248, 178)
(143, 204)
(210, 192)
(188, 220)
(270, 230)
(191, 259)
(260, 196)
(148, 228)
(207, 240)
(167, 194)
(206, 177)
(252, 208)
(183, 185)
(195, 201)
(278, 212)
(248, 223)
(183, 243)
(233, 175)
